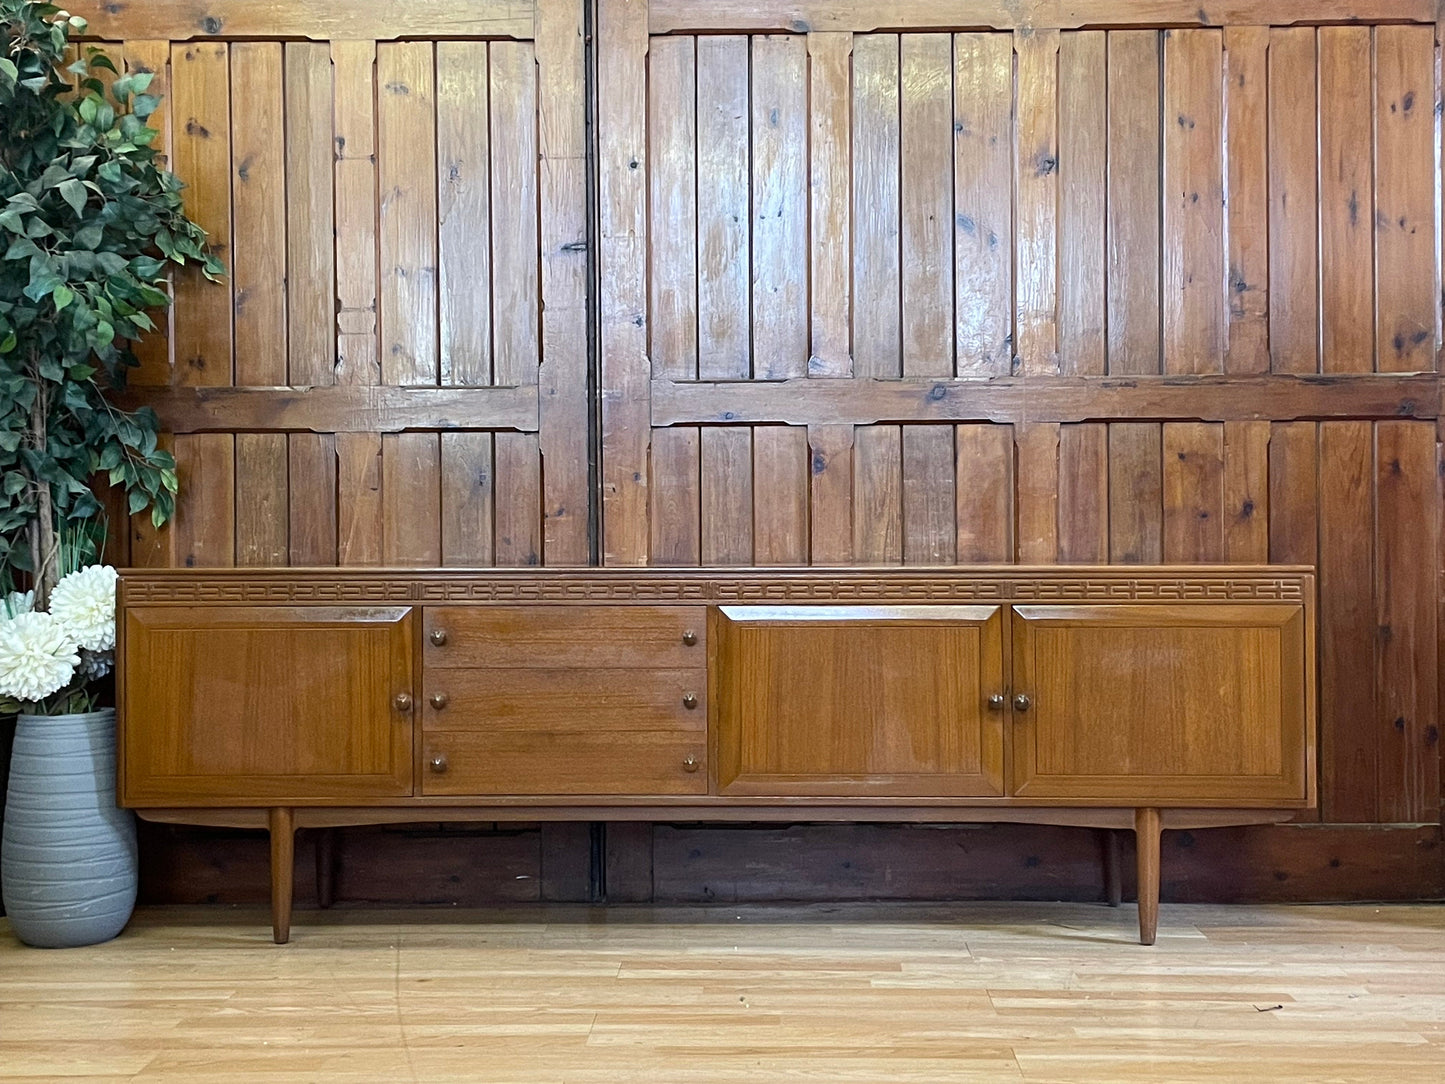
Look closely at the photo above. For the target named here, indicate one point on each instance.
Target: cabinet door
(231, 704)
(833, 700)
(1159, 705)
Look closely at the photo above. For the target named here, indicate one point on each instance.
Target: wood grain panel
(877, 302)
(672, 179)
(1194, 522)
(324, 19)
(573, 762)
(1133, 228)
(563, 702)
(515, 273)
(262, 489)
(311, 487)
(676, 496)
(727, 496)
(1038, 492)
(1246, 149)
(467, 499)
(985, 492)
(1036, 201)
(310, 216)
(1294, 493)
(878, 494)
(930, 529)
(830, 202)
(723, 208)
(359, 511)
(1083, 152)
(564, 637)
(411, 499)
(205, 523)
(780, 495)
(358, 357)
(830, 494)
(518, 501)
(925, 72)
(1246, 492)
(1084, 494)
(1293, 210)
(1136, 493)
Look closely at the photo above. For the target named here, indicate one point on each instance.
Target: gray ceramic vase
(68, 854)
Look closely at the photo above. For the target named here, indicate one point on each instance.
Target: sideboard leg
(1146, 841)
(1113, 880)
(325, 866)
(283, 863)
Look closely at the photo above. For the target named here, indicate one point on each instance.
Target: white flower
(84, 602)
(37, 657)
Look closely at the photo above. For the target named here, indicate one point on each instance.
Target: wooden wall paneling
(1036, 199)
(354, 125)
(464, 213)
(925, 69)
(359, 512)
(205, 522)
(518, 499)
(1084, 492)
(983, 207)
(411, 499)
(514, 258)
(1347, 632)
(1246, 492)
(723, 209)
(1407, 579)
(1037, 509)
(985, 492)
(930, 507)
(676, 508)
(830, 226)
(1193, 242)
(878, 495)
(467, 499)
(622, 228)
(1293, 202)
(564, 431)
(1133, 201)
(153, 352)
(877, 301)
(672, 179)
(727, 496)
(324, 19)
(830, 494)
(1083, 154)
(779, 218)
(1294, 493)
(1136, 493)
(1407, 323)
(1347, 220)
(1246, 150)
(311, 486)
(262, 499)
(780, 495)
(1193, 492)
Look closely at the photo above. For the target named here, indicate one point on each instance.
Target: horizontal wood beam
(803, 16)
(337, 408)
(1047, 399)
(184, 20)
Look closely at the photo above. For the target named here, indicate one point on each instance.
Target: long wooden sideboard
(1137, 698)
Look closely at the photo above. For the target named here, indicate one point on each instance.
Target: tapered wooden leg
(1113, 881)
(325, 866)
(283, 863)
(1146, 840)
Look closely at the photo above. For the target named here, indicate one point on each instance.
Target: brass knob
(689, 637)
(997, 701)
(439, 763)
(439, 636)
(689, 700)
(439, 700)
(402, 701)
(1022, 702)
(689, 764)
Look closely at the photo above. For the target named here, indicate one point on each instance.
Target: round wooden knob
(997, 701)
(439, 636)
(402, 701)
(689, 638)
(439, 700)
(689, 700)
(1022, 702)
(438, 763)
(689, 764)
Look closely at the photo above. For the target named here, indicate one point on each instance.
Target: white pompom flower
(38, 656)
(84, 602)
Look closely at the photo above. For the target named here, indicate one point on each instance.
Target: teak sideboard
(1142, 698)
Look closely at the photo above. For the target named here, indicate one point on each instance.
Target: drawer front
(563, 637)
(508, 761)
(565, 700)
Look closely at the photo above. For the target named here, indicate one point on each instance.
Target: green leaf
(137, 501)
(14, 483)
(12, 220)
(73, 192)
(62, 296)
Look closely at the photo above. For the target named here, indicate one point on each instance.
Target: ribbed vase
(68, 854)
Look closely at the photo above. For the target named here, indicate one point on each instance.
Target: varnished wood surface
(964, 992)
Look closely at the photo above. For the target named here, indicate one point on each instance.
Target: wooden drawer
(565, 700)
(488, 760)
(560, 637)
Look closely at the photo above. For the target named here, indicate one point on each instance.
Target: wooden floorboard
(865, 992)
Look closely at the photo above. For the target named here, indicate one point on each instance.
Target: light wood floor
(970, 992)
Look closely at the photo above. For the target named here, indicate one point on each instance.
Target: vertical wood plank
(1036, 197)
(1136, 493)
(877, 301)
(1347, 270)
(830, 223)
(1084, 493)
(1293, 493)
(262, 514)
(1193, 492)
(1406, 589)
(149, 547)
(1293, 268)
(780, 495)
(1083, 151)
(1246, 148)
(878, 495)
(676, 509)
(205, 522)
(983, 206)
(930, 508)
(727, 496)
(985, 491)
(926, 201)
(311, 477)
(359, 510)
(779, 102)
(518, 502)
(153, 354)
(1406, 149)
(830, 494)
(722, 209)
(411, 499)
(1246, 492)
(1134, 150)
(467, 499)
(672, 176)
(310, 224)
(1194, 313)
(1038, 492)
(514, 213)
(464, 213)
(357, 353)
(1347, 621)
